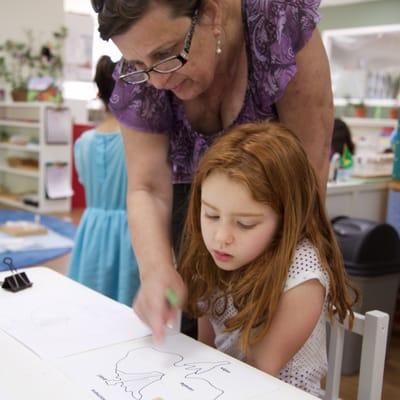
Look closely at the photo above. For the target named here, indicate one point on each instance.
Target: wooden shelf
(20, 171)
(34, 148)
(367, 102)
(9, 201)
(394, 185)
(26, 104)
(371, 122)
(20, 124)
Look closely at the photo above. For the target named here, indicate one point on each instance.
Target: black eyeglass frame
(182, 57)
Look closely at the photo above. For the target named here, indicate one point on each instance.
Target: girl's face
(157, 36)
(236, 229)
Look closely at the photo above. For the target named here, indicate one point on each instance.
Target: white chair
(373, 327)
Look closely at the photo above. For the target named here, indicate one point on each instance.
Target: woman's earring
(218, 50)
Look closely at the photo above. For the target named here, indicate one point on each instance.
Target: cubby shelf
(27, 121)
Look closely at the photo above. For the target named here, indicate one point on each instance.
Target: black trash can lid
(368, 248)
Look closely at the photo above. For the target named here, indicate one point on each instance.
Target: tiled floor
(391, 385)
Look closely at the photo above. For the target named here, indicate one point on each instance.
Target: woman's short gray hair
(117, 16)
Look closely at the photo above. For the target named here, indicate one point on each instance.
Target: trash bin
(371, 253)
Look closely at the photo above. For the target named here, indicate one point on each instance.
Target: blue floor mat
(33, 257)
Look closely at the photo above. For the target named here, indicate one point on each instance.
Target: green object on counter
(346, 160)
(396, 149)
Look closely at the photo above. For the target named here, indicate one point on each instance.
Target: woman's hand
(149, 203)
(151, 304)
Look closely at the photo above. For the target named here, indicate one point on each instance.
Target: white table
(24, 375)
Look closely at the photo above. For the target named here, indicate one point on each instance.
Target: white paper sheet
(57, 317)
(58, 184)
(180, 368)
(4, 395)
(58, 125)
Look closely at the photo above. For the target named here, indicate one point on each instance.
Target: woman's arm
(307, 106)
(149, 203)
(205, 331)
(295, 319)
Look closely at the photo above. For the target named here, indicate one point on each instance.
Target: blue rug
(33, 257)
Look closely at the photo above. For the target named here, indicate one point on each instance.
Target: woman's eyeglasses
(166, 66)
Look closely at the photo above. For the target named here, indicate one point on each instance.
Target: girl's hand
(151, 304)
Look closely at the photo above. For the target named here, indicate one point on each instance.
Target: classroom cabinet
(35, 156)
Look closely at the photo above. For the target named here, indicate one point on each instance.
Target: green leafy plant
(22, 60)
(51, 55)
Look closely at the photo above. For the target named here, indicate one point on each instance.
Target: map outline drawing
(136, 382)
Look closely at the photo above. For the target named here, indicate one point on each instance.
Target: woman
(192, 69)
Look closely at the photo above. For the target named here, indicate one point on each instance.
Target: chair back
(373, 327)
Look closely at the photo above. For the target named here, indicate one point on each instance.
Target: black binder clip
(17, 280)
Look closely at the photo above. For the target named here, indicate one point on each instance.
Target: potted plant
(360, 109)
(393, 113)
(20, 61)
(16, 65)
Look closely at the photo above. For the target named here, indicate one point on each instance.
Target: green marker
(172, 297)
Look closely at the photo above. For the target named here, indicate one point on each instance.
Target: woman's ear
(212, 15)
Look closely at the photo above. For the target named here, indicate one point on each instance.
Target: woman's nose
(159, 81)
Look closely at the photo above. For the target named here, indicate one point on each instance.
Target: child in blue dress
(102, 258)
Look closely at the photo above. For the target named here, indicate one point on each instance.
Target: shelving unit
(341, 101)
(365, 65)
(19, 171)
(369, 126)
(375, 130)
(27, 121)
(34, 148)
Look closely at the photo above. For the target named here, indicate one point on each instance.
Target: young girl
(259, 256)
(102, 257)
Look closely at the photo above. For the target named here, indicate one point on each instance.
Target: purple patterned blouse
(275, 30)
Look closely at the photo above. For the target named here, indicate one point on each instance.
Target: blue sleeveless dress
(102, 257)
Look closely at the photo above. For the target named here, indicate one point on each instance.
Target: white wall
(79, 96)
(42, 17)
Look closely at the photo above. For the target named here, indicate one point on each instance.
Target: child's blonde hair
(270, 161)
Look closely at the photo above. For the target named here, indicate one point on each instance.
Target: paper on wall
(58, 125)
(58, 183)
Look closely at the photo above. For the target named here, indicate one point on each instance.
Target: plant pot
(19, 94)
(360, 112)
(393, 113)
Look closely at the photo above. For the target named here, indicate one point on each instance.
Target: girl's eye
(213, 217)
(245, 226)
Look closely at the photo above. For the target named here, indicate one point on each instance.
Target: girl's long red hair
(269, 160)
